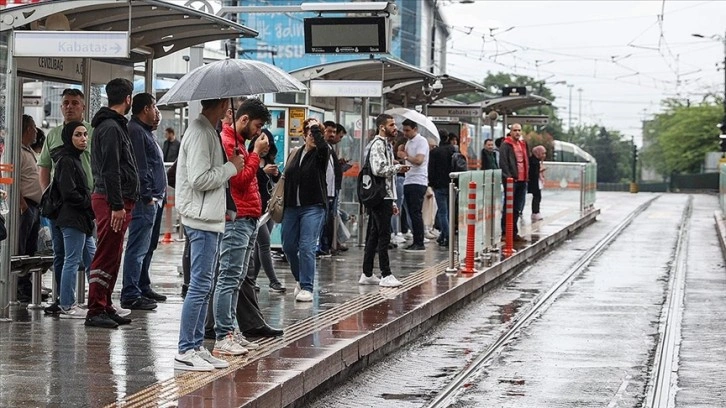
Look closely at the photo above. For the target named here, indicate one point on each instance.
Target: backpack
(458, 162)
(371, 188)
(51, 202)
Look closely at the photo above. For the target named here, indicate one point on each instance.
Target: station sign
(32, 101)
(529, 119)
(86, 44)
(347, 35)
(454, 111)
(514, 91)
(370, 89)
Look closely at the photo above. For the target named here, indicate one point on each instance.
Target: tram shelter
(382, 83)
(139, 31)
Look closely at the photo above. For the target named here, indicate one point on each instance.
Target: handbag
(371, 188)
(51, 202)
(276, 204)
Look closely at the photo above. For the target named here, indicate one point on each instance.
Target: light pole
(579, 110)
(722, 39)
(569, 113)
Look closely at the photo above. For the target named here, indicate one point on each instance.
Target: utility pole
(579, 110)
(569, 113)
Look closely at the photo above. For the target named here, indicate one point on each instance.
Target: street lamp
(722, 39)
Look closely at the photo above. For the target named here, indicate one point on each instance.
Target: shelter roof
(402, 83)
(158, 27)
(506, 105)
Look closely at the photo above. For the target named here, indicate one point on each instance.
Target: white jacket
(201, 178)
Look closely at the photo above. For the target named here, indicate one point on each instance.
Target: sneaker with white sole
(537, 217)
(297, 289)
(390, 281)
(121, 311)
(74, 312)
(242, 341)
(215, 362)
(228, 346)
(304, 296)
(368, 280)
(190, 361)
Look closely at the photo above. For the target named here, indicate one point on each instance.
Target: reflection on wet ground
(81, 366)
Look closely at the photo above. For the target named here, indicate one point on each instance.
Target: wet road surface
(594, 345)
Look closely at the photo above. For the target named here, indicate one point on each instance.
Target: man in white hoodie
(202, 185)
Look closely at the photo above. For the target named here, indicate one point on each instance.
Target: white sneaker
(408, 235)
(304, 296)
(537, 217)
(121, 311)
(398, 239)
(190, 361)
(240, 339)
(210, 359)
(297, 289)
(74, 312)
(390, 281)
(368, 280)
(228, 346)
(430, 234)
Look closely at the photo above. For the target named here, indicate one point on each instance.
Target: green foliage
(612, 152)
(680, 137)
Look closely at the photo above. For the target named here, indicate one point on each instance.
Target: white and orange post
(509, 218)
(168, 222)
(470, 230)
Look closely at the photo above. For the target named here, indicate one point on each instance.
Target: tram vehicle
(568, 152)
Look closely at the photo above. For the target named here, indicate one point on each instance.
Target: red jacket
(244, 188)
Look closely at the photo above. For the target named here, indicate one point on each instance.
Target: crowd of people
(92, 183)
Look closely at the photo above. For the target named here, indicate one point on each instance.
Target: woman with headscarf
(75, 216)
(306, 199)
(267, 175)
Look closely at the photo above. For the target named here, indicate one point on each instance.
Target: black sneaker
(154, 296)
(415, 249)
(101, 320)
(277, 287)
(119, 320)
(140, 303)
(53, 309)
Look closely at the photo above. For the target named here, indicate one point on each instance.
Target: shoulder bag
(276, 204)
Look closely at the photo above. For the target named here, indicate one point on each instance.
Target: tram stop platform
(51, 362)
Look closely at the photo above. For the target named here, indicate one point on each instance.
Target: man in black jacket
(440, 165)
(115, 192)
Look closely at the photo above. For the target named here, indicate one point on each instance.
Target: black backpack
(458, 162)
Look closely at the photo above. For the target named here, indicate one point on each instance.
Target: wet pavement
(51, 362)
(594, 345)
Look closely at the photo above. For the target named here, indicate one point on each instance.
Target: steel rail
(447, 394)
(661, 388)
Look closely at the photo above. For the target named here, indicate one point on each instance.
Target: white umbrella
(230, 78)
(426, 127)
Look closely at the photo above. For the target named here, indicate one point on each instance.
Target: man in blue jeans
(202, 177)
(240, 233)
(151, 193)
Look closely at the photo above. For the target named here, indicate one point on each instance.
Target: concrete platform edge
(718, 215)
(375, 345)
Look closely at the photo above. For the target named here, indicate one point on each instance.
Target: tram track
(661, 388)
(447, 395)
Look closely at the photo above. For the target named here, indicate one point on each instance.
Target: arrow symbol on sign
(116, 48)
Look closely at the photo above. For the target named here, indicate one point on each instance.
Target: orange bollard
(509, 218)
(168, 222)
(470, 230)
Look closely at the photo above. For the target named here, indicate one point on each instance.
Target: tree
(681, 136)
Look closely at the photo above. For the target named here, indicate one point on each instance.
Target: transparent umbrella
(426, 127)
(230, 78)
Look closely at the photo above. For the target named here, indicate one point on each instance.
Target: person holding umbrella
(305, 206)
(202, 183)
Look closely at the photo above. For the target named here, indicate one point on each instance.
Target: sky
(621, 58)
